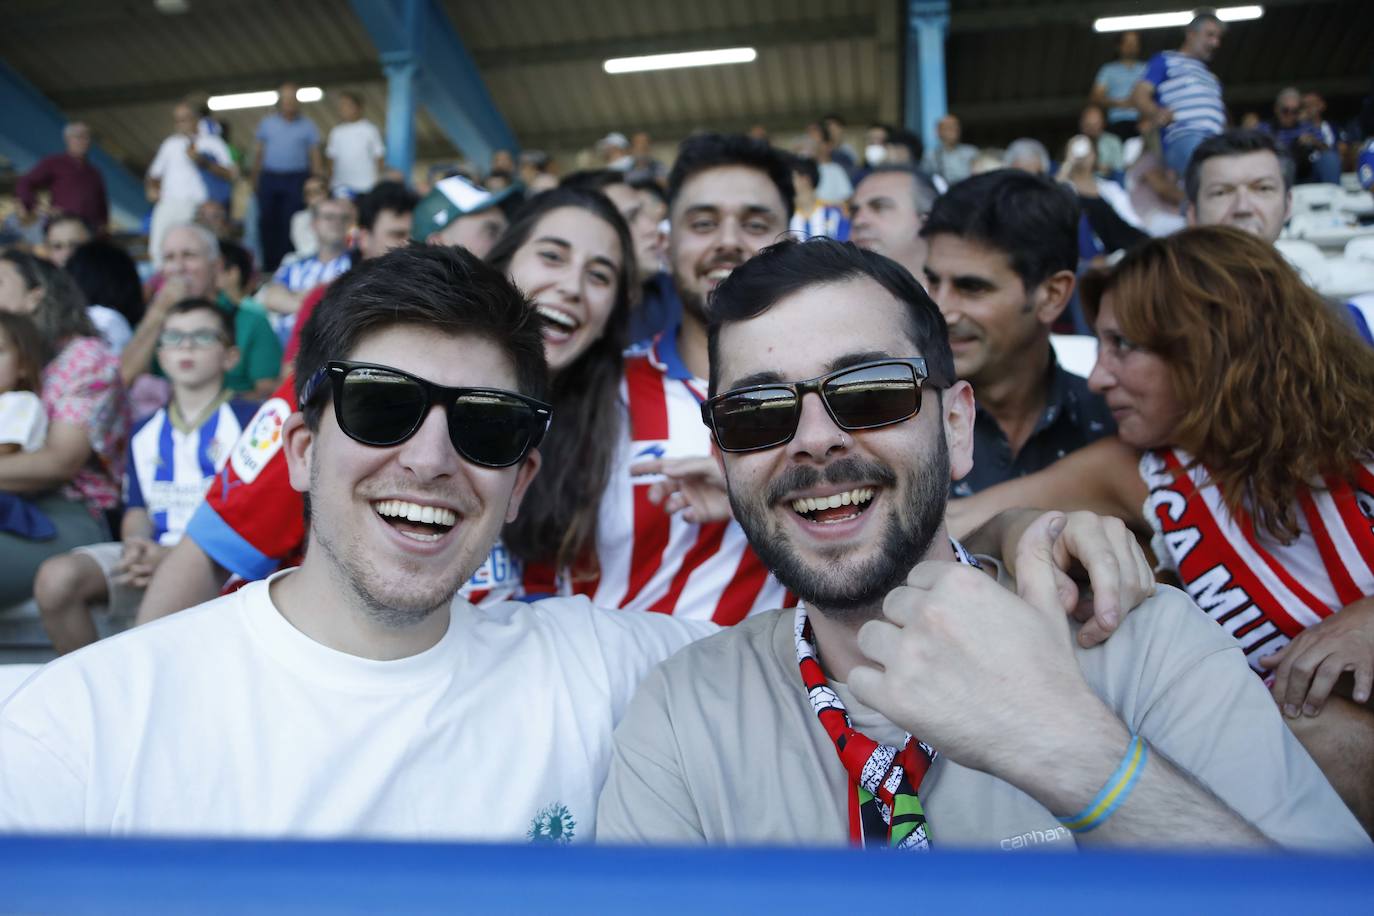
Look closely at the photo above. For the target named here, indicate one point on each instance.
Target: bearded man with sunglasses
(918, 697)
(355, 696)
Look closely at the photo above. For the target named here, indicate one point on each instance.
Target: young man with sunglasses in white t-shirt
(354, 696)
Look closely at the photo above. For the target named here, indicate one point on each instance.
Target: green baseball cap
(453, 197)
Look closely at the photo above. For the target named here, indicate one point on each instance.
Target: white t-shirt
(23, 421)
(177, 171)
(355, 147)
(226, 720)
(112, 326)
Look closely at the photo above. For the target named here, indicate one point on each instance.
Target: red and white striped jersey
(650, 560)
(1261, 591)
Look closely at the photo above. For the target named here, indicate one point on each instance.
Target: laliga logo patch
(261, 441)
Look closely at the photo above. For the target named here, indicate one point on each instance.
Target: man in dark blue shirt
(1003, 247)
(1302, 140)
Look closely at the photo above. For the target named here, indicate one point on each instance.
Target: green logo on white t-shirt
(553, 824)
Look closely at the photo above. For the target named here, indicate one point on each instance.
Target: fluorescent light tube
(1176, 19)
(680, 59)
(264, 99)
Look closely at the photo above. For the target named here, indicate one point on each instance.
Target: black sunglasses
(382, 406)
(865, 396)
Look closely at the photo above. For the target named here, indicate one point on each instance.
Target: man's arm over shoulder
(646, 798)
(1197, 702)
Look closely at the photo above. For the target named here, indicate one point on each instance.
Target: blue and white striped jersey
(1192, 92)
(170, 468)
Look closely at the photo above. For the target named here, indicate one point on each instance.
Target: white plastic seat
(1347, 277)
(1309, 197)
(1077, 353)
(1307, 259)
(1360, 249)
(1360, 203)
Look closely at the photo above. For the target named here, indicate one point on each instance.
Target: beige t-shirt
(720, 745)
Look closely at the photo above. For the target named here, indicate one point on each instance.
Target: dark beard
(693, 305)
(852, 592)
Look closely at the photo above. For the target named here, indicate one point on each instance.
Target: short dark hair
(1029, 218)
(915, 146)
(923, 187)
(1234, 142)
(593, 179)
(201, 304)
(352, 97)
(235, 255)
(108, 276)
(788, 267)
(443, 288)
(805, 165)
(652, 187)
(385, 195)
(1201, 17)
(708, 151)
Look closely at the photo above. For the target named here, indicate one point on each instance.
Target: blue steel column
(428, 65)
(926, 100)
(402, 68)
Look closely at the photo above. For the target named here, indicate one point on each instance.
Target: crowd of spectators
(161, 428)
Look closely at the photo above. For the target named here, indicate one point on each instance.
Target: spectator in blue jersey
(288, 153)
(1315, 158)
(1113, 85)
(811, 216)
(1314, 113)
(172, 456)
(330, 220)
(1181, 94)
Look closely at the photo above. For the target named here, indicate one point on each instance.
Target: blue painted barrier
(207, 876)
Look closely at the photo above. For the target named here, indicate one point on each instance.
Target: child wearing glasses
(172, 457)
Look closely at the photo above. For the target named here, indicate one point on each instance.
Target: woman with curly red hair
(1245, 447)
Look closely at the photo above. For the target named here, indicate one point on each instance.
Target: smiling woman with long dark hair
(571, 253)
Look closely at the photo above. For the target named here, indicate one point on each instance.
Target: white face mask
(875, 154)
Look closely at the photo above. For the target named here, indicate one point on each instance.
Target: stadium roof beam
(1017, 16)
(33, 129)
(419, 45)
(1063, 106)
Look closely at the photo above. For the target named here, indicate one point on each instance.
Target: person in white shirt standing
(355, 696)
(174, 184)
(354, 149)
